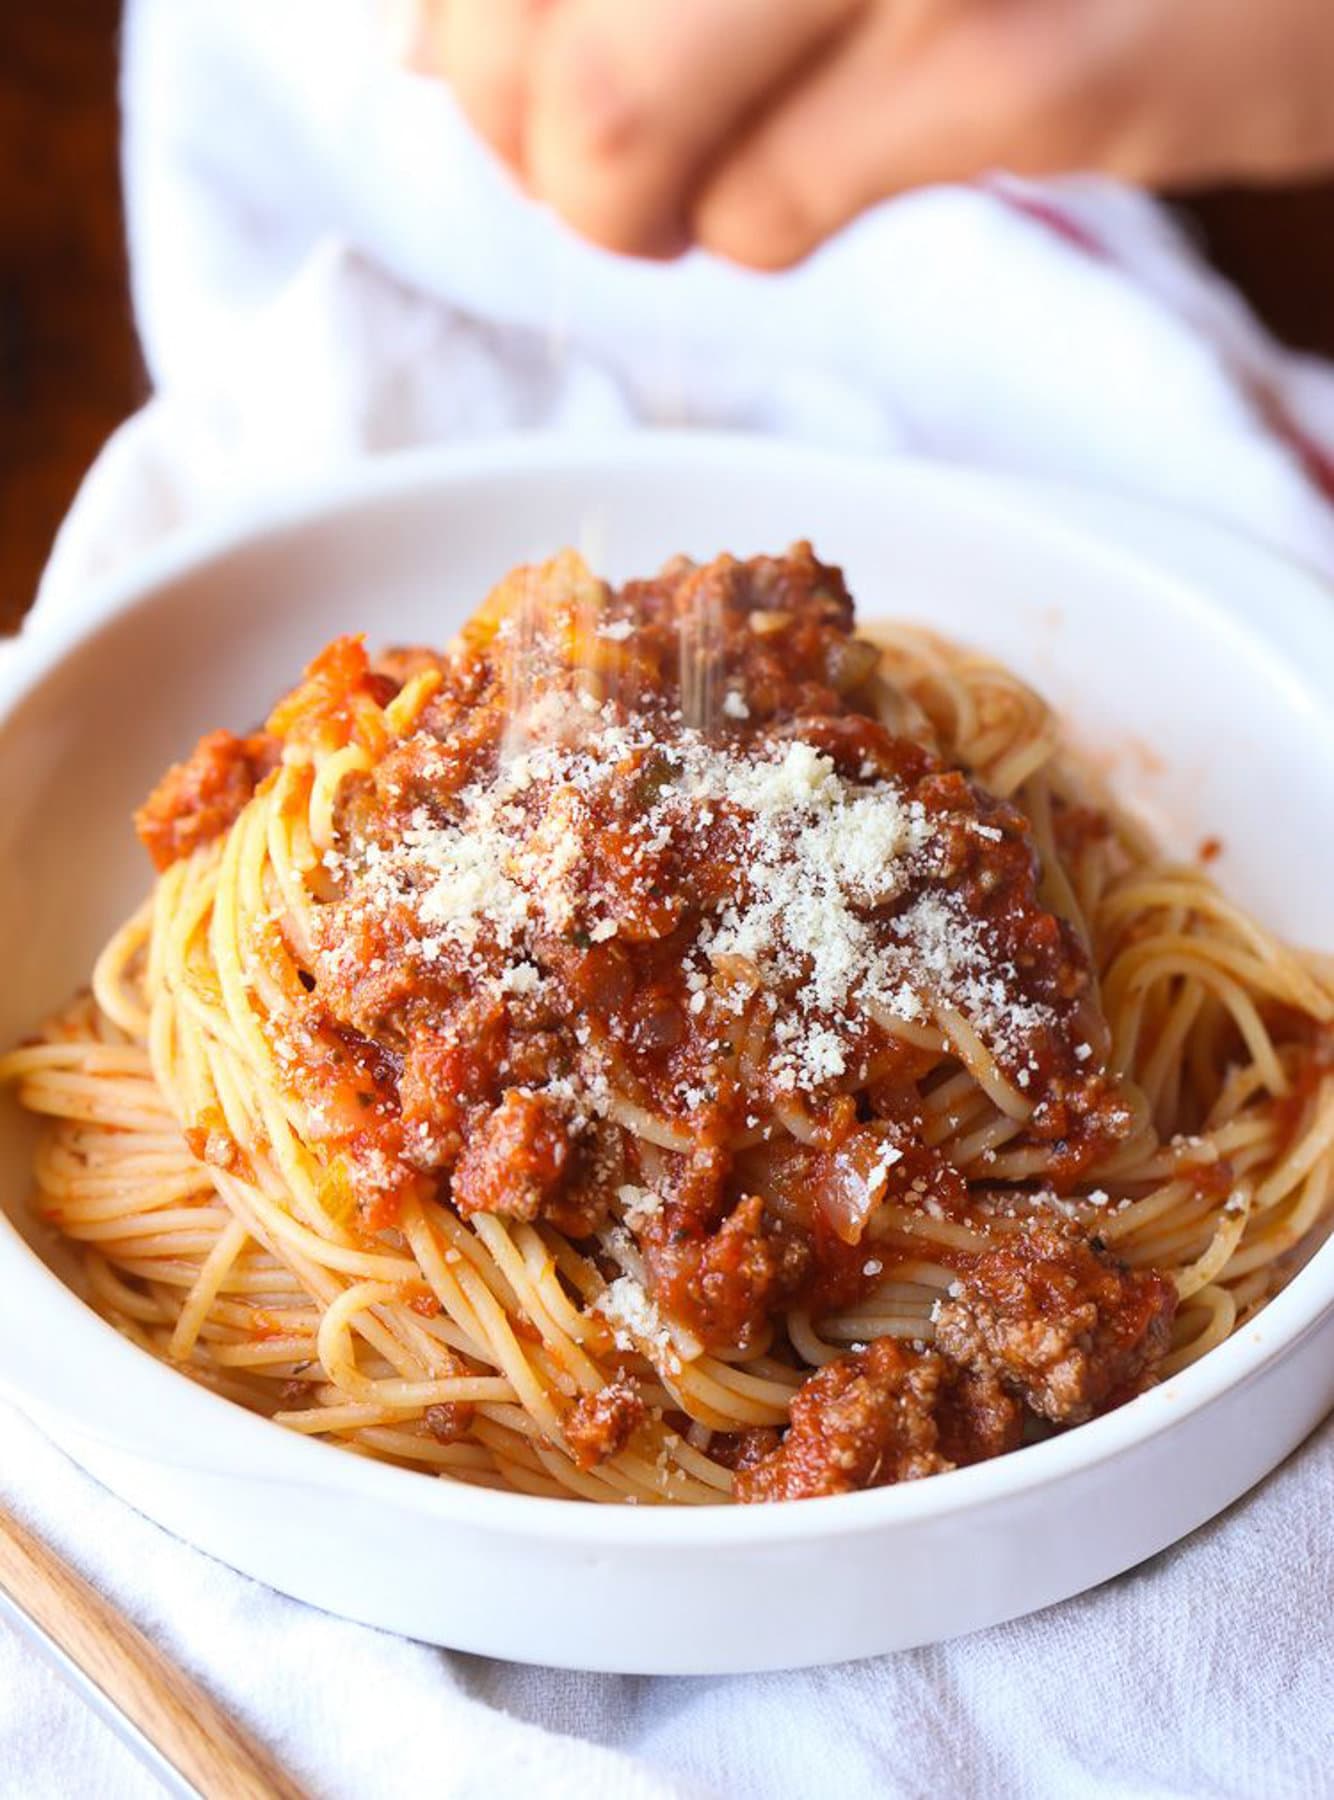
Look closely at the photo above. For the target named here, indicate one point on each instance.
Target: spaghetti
(665, 1048)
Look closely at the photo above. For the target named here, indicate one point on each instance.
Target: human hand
(758, 127)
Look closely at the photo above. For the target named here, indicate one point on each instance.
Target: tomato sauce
(606, 920)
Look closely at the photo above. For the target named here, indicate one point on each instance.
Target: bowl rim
(147, 1388)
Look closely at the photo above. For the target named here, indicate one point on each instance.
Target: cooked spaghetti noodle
(663, 1048)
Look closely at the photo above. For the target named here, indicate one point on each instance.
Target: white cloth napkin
(1204, 1672)
(325, 266)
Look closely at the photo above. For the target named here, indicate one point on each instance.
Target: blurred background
(69, 366)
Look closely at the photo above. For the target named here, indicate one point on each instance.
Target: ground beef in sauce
(1047, 1318)
(864, 1420)
(518, 1161)
(722, 1285)
(977, 1418)
(1057, 1321)
(200, 798)
(599, 1426)
(888, 1413)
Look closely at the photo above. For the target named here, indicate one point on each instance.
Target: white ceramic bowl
(1202, 667)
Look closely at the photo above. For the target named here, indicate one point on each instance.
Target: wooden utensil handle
(177, 1717)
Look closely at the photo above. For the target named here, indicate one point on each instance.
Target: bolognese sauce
(644, 927)
(198, 799)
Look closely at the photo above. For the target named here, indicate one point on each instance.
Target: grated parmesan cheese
(636, 1322)
(814, 859)
(638, 1205)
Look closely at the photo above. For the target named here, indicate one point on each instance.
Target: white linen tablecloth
(1204, 1672)
(324, 266)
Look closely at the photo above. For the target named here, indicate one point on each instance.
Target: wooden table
(69, 366)
(70, 370)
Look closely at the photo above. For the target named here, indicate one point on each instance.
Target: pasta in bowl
(667, 1047)
(1143, 630)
